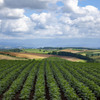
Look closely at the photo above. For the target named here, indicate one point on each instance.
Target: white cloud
(70, 5)
(16, 27)
(11, 13)
(69, 21)
(1, 3)
(41, 20)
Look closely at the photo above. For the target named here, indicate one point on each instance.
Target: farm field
(49, 79)
(26, 55)
(90, 52)
(41, 51)
(94, 54)
(6, 57)
(97, 58)
(73, 50)
(38, 56)
(45, 53)
(81, 50)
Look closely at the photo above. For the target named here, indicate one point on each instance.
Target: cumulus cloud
(70, 5)
(41, 20)
(68, 21)
(6, 13)
(1, 3)
(16, 27)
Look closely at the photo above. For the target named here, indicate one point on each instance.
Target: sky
(40, 23)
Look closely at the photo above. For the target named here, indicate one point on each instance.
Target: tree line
(62, 53)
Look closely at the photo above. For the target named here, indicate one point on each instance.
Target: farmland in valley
(41, 51)
(21, 55)
(49, 79)
(26, 55)
(92, 53)
(6, 57)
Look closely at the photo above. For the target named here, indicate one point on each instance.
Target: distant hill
(11, 50)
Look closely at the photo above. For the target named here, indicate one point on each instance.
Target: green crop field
(49, 79)
(42, 51)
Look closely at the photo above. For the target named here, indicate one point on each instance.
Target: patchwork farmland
(17, 55)
(49, 79)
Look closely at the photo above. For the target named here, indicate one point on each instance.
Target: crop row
(92, 72)
(12, 68)
(84, 92)
(49, 79)
(54, 90)
(69, 92)
(6, 82)
(4, 63)
(87, 75)
(40, 84)
(3, 68)
(16, 85)
(28, 86)
(94, 87)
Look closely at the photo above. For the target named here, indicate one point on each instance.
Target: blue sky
(50, 23)
(95, 3)
(81, 3)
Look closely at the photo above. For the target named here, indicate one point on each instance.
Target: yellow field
(72, 51)
(7, 57)
(26, 55)
(73, 59)
(35, 56)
